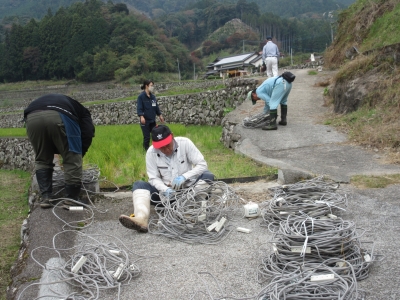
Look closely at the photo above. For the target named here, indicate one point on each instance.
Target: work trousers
(146, 129)
(272, 66)
(47, 134)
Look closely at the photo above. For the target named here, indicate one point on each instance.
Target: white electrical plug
(242, 229)
(212, 226)
(75, 208)
(322, 277)
(299, 249)
(79, 264)
(116, 252)
(220, 224)
(119, 271)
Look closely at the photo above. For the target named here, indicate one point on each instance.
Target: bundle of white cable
(94, 266)
(310, 241)
(256, 121)
(313, 198)
(320, 282)
(196, 215)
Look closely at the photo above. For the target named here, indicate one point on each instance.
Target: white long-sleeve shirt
(186, 160)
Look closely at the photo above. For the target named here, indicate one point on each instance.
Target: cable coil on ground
(256, 121)
(199, 214)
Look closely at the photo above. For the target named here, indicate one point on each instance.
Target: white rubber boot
(201, 190)
(141, 209)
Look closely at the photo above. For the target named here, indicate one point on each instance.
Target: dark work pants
(46, 132)
(146, 129)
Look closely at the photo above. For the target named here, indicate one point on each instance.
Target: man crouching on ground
(172, 163)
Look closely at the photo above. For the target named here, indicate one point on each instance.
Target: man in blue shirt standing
(270, 57)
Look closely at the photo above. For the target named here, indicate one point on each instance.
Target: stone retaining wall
(16, 153)
(206, 108)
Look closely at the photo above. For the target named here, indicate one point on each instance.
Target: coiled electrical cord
(256, 121)
(189, 213)
(313, 198)
(106, 266)
(309, 241)
(299, 284)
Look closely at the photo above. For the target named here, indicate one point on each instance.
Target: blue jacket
(148, 107)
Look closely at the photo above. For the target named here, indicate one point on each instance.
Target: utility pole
(194, 71)
(243, 46)
(291, 56)
(179, 71)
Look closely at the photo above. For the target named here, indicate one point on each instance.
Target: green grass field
(117, 151)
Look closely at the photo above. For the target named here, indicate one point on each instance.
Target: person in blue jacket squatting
(274, 91)
(172, 163)
(147, 110)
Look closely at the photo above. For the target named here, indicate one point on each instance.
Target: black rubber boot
(72, 192)
(283, 115)
(44, 178)
(271, 125)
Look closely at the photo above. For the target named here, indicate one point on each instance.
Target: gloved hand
(178, 182)
(168, 193)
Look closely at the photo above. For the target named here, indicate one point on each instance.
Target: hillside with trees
(27, 9)
(89, 41)
(365, 92)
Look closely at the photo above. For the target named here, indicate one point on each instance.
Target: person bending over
(274, 91)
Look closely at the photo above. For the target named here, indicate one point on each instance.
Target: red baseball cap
(161, 136)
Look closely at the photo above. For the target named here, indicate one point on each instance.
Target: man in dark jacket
(58, 124)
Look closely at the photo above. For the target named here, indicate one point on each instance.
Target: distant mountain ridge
(283, 8)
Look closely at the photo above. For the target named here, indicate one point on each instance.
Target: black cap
(161, 136)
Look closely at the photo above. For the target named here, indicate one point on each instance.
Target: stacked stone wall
(205, 108)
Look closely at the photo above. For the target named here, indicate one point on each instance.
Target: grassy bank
(14, 209)
(118, 152)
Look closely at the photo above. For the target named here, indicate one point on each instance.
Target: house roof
(234, 59)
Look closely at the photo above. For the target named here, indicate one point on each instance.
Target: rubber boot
(271, 125)
(72, 192)
(44, 178)
(201, 190)
(283, 115)
(141, 209)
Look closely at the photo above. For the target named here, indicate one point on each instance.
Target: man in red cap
(172, 163)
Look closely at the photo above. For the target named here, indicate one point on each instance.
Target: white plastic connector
(367, 258)
(220, 224)
(340, 264)
(116, 252)
(322, 277)
(274, 248)
(212, 226)
(283, 212)
(78, 264)
(119, 271)
(201, 217)
(334, 217)
(242, 229)
(132, 267)
(299, 249)
(75, 208)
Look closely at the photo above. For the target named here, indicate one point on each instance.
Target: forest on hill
(28, 9)
(97, 41)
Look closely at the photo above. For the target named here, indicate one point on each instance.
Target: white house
(235, 65)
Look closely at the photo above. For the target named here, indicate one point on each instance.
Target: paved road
(306, 144)
(171, 269)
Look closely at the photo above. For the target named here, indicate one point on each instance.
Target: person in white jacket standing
(172, 163)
